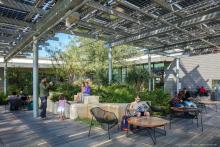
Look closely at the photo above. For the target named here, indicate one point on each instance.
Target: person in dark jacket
(187, 99)
(187, 95)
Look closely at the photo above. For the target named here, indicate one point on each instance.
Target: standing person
(44, 93)
(14, 101)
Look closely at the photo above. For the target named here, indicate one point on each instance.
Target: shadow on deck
(21, 129)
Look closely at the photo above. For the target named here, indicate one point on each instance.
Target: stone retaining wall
(82, 110)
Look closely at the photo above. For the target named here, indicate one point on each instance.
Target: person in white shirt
(138, 108)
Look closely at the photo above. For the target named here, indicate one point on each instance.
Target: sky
(64, 40)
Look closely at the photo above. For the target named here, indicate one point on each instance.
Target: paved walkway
(20, 129)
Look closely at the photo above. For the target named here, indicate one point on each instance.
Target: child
(61, 106)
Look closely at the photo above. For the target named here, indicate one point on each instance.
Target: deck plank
(21, 129)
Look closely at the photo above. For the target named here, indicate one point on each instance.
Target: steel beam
(21, 6)
(7, 39)
(163, 47)
(5, 79)
(32, 13)
(153, 83)
(110, 11)
(57, 14)
(12, 22)
(109, 65)
(168, 7)
(10, 31)
(39, 3)
(84, 35)
(35, 77)
(101, 27)
(177, 75)
(171, 26)
(163, 30)
(149, 71)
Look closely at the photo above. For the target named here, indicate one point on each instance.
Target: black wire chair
(106, 119)
(187, 113)
(199, 105)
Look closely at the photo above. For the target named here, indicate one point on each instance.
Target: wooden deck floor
(20, 129)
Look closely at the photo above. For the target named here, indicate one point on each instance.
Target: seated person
(202, 91)
(79, 97)
(13, 96)
(186, 95)
(86, 90)
(14, 101)
(24, 98)
(138, 108)
(177, 101)
(187, 100)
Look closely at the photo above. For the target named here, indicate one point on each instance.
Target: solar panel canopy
(160, 26)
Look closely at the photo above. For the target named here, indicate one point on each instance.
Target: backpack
(124, 123)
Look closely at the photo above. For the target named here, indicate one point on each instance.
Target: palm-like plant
(137, 77)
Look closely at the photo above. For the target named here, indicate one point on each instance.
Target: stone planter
(92, 99)
(81, 110)
(53, 106)
(78, 111)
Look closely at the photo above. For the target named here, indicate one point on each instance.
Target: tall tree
(85, 57)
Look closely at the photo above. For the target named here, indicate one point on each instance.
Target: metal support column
(110, 65)
(149, 71)
(5, 78)
(177, 75)
(35, 77)
(153, 80)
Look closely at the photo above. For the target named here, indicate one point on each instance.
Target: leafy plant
(55, 96)
(114, 93)
(158, 98)
(138, 78)
(3, 99)
(66, 89)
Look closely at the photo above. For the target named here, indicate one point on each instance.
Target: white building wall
(194, 71)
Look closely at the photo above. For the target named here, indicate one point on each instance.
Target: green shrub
(66, 89)
(126, 94)
(158, 98)
(3, 99)
(117, 94)
(137, 77)
(55, 96)
(114, 93)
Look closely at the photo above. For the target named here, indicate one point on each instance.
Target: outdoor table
(209, 102)
(187, 110)
(150, 124)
